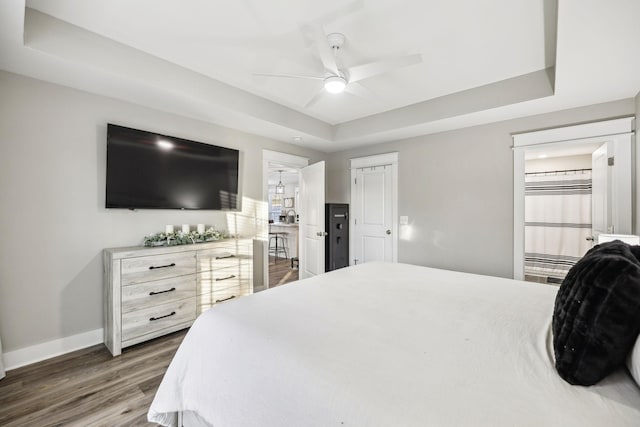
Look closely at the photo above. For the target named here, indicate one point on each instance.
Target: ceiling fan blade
(360, 91)
(325, 51)
(364, 71)
(317, 97)
(291, 76)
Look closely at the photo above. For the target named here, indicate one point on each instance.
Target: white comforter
(385, 345)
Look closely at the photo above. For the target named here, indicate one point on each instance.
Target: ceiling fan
(337, 80)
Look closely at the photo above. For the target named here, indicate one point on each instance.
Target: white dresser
(151, 292)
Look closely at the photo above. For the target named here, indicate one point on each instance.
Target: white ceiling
(483, 61)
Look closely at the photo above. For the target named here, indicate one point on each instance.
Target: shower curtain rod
(565, 170)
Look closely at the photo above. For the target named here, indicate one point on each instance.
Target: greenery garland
(180, 238)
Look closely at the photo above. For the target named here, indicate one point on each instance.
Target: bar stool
(278, 243)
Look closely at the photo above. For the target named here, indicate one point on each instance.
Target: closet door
(372, 213)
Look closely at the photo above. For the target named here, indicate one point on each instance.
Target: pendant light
(280, 186)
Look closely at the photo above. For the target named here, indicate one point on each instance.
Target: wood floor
(280, 271)
(88, 387)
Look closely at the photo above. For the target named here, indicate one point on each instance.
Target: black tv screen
(146, 170)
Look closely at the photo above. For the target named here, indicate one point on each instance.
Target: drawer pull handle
(226, 256)
(162, 292)
(225, 299)
(173, 264)
(225, 278)
(161, 317)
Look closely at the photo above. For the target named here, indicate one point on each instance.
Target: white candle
(185, 228)
(200, 228)
(168, 229)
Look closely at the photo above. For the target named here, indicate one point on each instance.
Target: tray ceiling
(482, 61)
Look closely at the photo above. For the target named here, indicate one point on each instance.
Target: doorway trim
(620, 130)
(371, 161)
(281, 159)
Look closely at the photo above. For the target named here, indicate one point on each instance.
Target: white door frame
(371, 161)
(618, 130)
(281, 159)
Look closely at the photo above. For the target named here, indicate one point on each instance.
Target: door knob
(590, 239)
(388, 231)
(322, 234)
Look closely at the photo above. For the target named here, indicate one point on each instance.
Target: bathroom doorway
(559, 207)
(610, 144)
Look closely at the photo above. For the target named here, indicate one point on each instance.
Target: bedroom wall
(52, 216)
(456, 188)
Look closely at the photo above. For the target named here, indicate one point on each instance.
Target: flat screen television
(146, 170)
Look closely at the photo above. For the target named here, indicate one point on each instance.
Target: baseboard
(36, 353)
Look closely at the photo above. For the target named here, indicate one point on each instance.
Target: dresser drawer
(151, 294)
(206, 301)
(222, 295)
(214, 259)
(148, 320)
(156, 267)
(223, 278)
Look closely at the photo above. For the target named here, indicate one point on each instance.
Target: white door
(311, 224)
(372, 214)
(600, 194)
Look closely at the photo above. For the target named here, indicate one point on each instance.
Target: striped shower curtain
(557, 223)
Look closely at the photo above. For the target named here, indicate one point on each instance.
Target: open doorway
(559, 209)
(281, 236)
(283, 187)
(609, 145)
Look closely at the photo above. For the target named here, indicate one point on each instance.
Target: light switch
(404, 220)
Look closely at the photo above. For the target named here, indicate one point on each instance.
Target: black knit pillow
(596, 318)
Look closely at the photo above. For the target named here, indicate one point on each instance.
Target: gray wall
(457, 189)
(52, 216)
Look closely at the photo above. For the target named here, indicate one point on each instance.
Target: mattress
(382, 344)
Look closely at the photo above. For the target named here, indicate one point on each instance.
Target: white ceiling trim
(584, 131)
(591, 67)
(506, 92)
(53, 36)
(199, 95)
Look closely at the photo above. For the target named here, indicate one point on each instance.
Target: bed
(384, 344)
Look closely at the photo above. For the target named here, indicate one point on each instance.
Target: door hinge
(611, 161)
(355, 181)
(355, 221)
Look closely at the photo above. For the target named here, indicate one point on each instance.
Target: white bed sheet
(385, 345)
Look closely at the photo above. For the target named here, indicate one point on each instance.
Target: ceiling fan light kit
(335, 84)
(342, 80)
